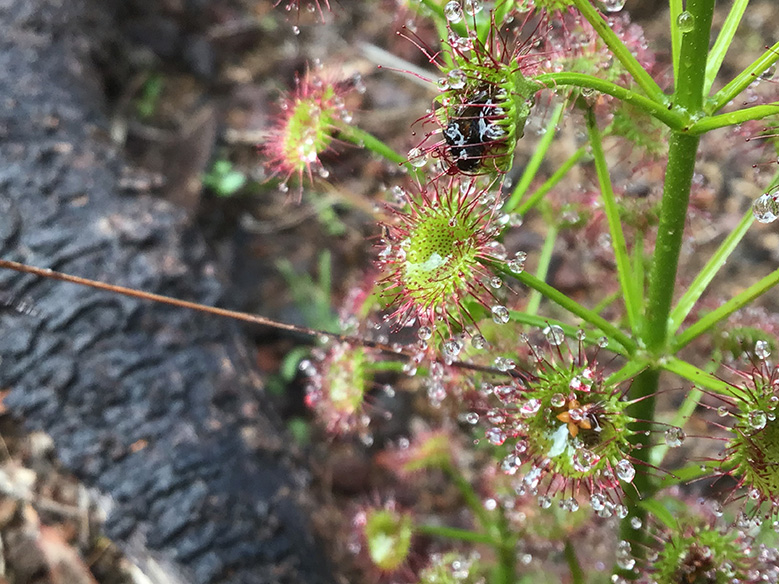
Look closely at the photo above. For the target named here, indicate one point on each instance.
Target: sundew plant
(615, 424)
(545, 416)
(561, 421)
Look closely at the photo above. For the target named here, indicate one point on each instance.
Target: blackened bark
(157, 408)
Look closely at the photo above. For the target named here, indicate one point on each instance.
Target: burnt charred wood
(158, 409)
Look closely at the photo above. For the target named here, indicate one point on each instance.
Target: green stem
(572, 306)
(679, 420)
(697, 376)
(544, 259)
(471, 497)
(630, 369)
(619, 50)
(723, 42)
(693, 55)
(673, 119)
(552, 181)
(631, 296)
(577, 574)
(570, 331)
(706, 275)
(456, 533)
(363, 139)
(535, 160)
(505, 572)
(710, 123)
(673, 215)
(676, 8)
(724, 311)
(743, 79)
(645, 386)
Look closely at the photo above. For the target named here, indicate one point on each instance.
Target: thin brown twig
(234, 314)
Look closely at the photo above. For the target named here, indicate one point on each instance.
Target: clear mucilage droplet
(554, 335)
(613, 5)
(453, 12)
(674, 437)
(766, 206)
(625, 470)
(762, 350)
(685, 21)
(500, 314)
(757, 419)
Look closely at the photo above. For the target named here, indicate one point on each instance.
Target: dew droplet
(453, 12)
(722, 411)
(530, 408)
(558, 400)
(598, 501)
(766, 206)
(625, 470)
(500, 314)
(613, 5)
(554, 334)
(544, 502)
(570, 505)
(757, 419)
(417, 158)
(603, 342)
(495, 436)
(674, 437)
(424, 333)
(478, 341)
(472, 417)
(635, 523)
(473, 7)
(584, 459)
(296, 30)
(456, 79)
(452, 347)
(685, 21)
(762, 350)
(496, 282)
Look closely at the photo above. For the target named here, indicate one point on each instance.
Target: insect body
(472, 131)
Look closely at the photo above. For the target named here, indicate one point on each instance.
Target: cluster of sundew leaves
(484, 101)
(696, 548)
(753, 452)
(435, 255)
(568, 426)
(339, 378)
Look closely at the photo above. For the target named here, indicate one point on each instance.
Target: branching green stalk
(722, 312)
(544, 259)
(723, 42)
(631, 296)
(682, 150)
(571, 306)
(552, 181)
(363, 139)
(743, 80)
(706, 275)
(536, 159)
(673, 119)
(697, 376)
(618, 48)
(710, 123)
